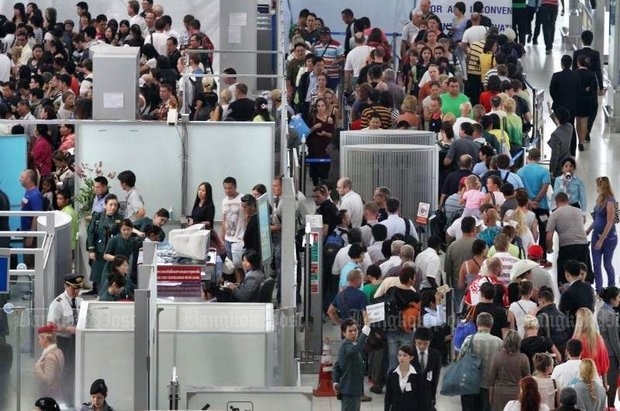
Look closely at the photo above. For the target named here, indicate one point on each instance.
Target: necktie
(422, 360)
(75, 311)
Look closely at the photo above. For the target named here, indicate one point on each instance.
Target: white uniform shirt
(61, 312)
(352, 202)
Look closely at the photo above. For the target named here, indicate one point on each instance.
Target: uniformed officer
(63, 314)
(101, 228)
(98, 395)
(123, 244)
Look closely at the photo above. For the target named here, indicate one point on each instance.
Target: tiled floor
(597, 160)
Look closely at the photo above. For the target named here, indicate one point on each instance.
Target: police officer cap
(47, 404)
(74, 280)
(99, 387)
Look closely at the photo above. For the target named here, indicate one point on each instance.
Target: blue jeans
(606, 253)
(394, 340)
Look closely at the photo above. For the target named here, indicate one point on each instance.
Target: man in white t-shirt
(233, 217)
(356, 59)
(567, 373)
(350, 201)
(501, 244)
(428, 262)
(158, 38)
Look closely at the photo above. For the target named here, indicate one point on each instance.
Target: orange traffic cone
(325, 388)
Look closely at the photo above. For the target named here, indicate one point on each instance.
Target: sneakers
(366, 398)
(581, 147)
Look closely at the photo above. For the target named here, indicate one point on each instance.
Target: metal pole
(302, 164)
(10, 308)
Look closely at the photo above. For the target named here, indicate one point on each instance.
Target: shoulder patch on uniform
(58, 299)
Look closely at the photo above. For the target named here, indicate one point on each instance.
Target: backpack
(438, 225)
(397, 317)
(410, 316)
(333, 243)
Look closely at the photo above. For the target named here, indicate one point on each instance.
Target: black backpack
(438, 225)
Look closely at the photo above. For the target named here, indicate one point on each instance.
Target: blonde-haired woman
(517, 220)
(590, 393)
(604, 236)
(533, 343)
(586, 331)
(408, 112)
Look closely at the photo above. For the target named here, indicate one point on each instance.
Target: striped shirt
(473, 57)
(384, 112)
(330, 52)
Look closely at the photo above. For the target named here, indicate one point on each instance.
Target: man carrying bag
(468, 377)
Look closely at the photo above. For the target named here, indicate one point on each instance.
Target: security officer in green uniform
(63, 314)
(115, 289)
(123, 244)
(98, 396)
(102, 227)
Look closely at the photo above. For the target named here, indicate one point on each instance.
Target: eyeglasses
(603, 178)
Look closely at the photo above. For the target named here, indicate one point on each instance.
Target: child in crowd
(471, 197)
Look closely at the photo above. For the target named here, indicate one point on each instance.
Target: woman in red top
(492, 90)
(41, 151)
(593, 344)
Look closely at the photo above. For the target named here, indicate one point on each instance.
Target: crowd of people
(499, 213)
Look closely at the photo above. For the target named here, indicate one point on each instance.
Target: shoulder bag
(463, 377)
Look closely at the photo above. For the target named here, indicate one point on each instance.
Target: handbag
(617, 212)
(465, 328)
(463, 377)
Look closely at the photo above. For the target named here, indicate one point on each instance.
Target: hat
(325, 30)
(521, 267)
(510, 34)
(74, 280)
(47, 329)
(48, 36)
(535, 252)
(47, 404)
(99, 387)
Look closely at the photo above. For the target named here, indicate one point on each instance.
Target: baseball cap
(535, 251)
(325, 30)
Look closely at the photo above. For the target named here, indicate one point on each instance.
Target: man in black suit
(563, 90)
(578, 294)
(594, 64)
(427, 363)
